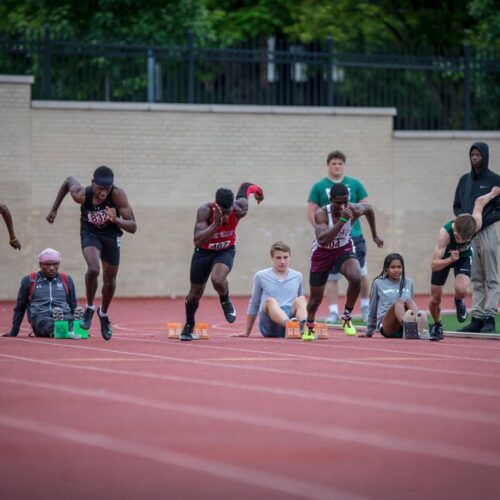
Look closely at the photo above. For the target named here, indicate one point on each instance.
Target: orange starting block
(292, 330)
(200, 329)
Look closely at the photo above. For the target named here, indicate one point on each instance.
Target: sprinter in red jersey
(214, 241)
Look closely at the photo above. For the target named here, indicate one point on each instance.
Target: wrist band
(13, 240)
(343, 219)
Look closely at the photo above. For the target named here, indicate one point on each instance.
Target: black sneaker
(86, 322)
(461, 310)
(229, 310)
(436, 333)
(106, 331)
(488, 325)
(187, 333)
(474, 327)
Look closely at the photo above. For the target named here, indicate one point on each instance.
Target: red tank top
(224, 236)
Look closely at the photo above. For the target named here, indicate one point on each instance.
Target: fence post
(47, 85)
(467, 110)
(190, 80)
(329, 71)
(151, 76)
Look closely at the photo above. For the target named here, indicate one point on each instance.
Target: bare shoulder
(204, 211)
(119, 196)
(321, 215)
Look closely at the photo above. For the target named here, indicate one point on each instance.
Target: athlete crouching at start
(214, 240)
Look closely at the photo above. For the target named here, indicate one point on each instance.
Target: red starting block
(292, 330)
(200, 330)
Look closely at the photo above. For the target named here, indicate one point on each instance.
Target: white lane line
(434, 386)
(246, 475)
(375, 439)
(204, 345)
(374, 404)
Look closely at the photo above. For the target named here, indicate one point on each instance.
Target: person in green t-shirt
(453, 251)
(319, 197)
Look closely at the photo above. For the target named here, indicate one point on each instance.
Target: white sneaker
(364, 313)
(332, 318)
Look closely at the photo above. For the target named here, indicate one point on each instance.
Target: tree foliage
(360, 25)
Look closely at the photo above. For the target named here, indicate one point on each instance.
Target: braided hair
(385, 270)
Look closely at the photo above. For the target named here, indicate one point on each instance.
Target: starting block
(200, 330)
(292, 330)
(413, 325)
(321, 331)
(62, 331)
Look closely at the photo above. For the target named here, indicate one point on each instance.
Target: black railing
(430, 92)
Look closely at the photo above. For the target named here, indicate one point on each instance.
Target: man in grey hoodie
(484, 272)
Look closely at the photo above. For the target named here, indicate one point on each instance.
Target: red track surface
(147, 417)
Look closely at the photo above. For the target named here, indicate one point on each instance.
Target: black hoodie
(470, 187)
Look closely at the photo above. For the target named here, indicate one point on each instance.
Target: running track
(147, 417)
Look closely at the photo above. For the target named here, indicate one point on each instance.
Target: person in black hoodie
(484, 273)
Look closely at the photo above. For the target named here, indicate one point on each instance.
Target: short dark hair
(338, 190)
(280, 246)
(337, 155)
(224, 198)
(103, 171)
(465, 225)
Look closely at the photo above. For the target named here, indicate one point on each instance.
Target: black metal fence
(430, 92)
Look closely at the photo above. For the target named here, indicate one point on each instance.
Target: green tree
(156, 22)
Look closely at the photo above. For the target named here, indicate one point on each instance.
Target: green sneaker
(308, 334)
(348, 327)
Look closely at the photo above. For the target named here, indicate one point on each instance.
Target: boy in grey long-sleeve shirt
(276, 295)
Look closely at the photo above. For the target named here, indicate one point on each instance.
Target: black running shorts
(203, 262)
(109, 246)
(461, 266)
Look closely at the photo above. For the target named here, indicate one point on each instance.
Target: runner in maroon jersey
(214, 241)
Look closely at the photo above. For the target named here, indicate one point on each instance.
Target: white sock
(334, 308)
(101, 314)
(91, 307)
(365, 302)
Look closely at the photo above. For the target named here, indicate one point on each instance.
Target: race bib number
(218, 246)
(99, 218)
(334, 244)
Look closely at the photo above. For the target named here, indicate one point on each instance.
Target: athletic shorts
(395, 335)
(360, 250)
(322, 260)
(461, 266)
(269, 328)
(203, 262)
(108, 246)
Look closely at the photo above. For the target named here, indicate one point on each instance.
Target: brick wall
(172, 158)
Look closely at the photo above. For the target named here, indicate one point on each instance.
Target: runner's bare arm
(360, 209)
(14, 242)
(126, 220)
(72, 186)
(240, 205)
(438, 263)
(480, 203)
(203, 230)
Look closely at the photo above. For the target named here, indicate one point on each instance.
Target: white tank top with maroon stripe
(343, 237)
